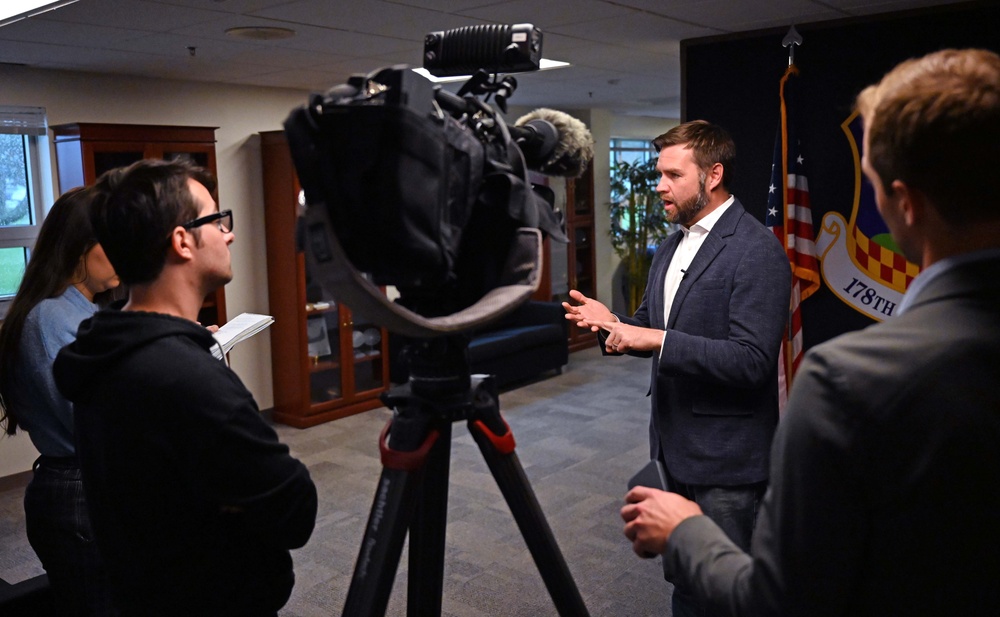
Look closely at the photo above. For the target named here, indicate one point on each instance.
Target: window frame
(618, 145)
(39, 175)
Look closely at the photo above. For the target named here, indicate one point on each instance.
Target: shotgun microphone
(553, 142)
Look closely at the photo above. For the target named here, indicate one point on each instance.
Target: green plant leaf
(638, 221)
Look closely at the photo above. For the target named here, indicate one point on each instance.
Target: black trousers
(59, 531)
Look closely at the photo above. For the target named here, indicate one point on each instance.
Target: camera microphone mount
(502, 87)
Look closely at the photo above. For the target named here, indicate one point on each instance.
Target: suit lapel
(713, 245)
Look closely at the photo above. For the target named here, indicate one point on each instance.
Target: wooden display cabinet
(544, 291)
(84, 151)
(327, 361)
(581, 260)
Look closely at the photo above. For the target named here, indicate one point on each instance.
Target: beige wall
(641, 127)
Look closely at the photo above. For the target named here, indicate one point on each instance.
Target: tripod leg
(427, 532)
(496, 442)
(388, 521)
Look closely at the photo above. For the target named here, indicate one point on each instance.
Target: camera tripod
(412, 493)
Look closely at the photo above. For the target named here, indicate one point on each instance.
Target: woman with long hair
(66, 270)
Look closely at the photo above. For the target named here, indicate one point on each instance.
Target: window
(631, 150)
(21, 130)
(631, 153)
(631, 160)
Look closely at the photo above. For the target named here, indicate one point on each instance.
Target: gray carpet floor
(580, 436)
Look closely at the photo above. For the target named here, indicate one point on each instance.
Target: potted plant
(638, 222)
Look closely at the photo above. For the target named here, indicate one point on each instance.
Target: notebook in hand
(239, 329)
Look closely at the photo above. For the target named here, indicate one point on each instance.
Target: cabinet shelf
(321, 367)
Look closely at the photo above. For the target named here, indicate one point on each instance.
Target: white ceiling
(625, 54)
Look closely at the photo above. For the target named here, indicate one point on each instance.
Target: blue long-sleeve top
(41, 409)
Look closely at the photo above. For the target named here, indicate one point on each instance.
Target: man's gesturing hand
(587, 313)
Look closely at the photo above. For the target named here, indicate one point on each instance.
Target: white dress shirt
(684, 255)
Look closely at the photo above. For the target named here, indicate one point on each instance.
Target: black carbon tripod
(412, 493)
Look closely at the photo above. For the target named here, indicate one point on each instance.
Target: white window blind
(22, 120)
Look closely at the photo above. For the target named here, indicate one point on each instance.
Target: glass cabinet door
(367, 345)
(581, 261)
(345, 352)
(110, 157)
(196, 156)
(327, 361)
(323, 344)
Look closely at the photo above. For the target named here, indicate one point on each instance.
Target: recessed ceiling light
(260, 33)
(543, 65)
(16, 10)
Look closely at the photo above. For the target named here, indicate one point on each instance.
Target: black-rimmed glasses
(225, 219)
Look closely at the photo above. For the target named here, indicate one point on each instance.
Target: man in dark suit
(712, 319)
(883, 495)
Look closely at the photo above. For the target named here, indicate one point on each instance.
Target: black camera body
(421, 189)
(396, 180)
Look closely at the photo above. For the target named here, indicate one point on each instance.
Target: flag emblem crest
(860, 262)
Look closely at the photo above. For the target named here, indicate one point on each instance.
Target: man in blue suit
(712, 319)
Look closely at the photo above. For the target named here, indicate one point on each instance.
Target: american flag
(790, 218)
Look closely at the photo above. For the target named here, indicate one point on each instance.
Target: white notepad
(239, 329)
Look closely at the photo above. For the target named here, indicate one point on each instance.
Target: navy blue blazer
(714, 387)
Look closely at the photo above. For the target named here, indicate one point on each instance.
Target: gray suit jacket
(884, 485)
(714, 387)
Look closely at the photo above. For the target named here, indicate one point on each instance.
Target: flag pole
(789, 334)
(791, 39)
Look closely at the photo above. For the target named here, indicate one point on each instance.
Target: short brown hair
(934, 123)
(709, 143)
(148, 200)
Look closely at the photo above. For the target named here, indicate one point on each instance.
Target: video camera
(410, 185)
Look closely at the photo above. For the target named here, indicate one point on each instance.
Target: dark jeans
(734, 509)
(59, 532)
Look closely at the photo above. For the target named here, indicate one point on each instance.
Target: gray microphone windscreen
(574, 148)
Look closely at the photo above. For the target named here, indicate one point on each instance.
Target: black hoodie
(195, 504)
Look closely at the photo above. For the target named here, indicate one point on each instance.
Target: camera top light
(495, 48)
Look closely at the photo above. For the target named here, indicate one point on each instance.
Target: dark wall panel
(733, 81)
